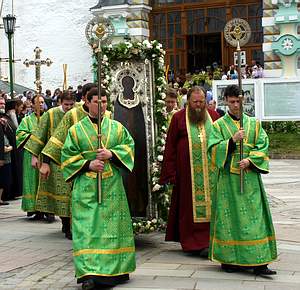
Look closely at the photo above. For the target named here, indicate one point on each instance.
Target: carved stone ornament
(129, 85)
(237, 31)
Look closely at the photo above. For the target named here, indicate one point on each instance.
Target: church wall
(58, 28)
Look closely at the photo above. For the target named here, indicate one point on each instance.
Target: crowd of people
(52, 143)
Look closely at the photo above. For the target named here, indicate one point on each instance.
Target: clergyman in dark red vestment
(186, 165)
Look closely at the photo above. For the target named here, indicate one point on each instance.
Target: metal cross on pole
(237, 33)
(38, 62)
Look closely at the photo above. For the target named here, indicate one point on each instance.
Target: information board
(281, 100)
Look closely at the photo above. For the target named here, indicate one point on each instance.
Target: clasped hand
(239, 135)
(97, 165)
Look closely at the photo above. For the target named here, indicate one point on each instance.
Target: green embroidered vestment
(30, 175)
(242, 231)
(53, 194)
(103, 241)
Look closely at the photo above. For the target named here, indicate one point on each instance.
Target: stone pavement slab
(35, 255)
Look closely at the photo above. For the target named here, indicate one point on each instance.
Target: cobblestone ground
(35, 255)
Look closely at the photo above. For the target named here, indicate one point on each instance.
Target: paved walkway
(35, 255)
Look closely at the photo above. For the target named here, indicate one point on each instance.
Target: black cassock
(13, 181)
(136, 182)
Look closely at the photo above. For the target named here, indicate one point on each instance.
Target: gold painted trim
(103, 251)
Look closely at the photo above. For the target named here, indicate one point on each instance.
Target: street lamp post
(9, 22)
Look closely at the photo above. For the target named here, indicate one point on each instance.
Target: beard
(197, 116)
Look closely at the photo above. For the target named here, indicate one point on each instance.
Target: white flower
(105, 58)
(163, 95)
(110, 46)
(128, 44)
(154, 221)
(161, 60)
(156, 187)
(151, 229)
(160, 157)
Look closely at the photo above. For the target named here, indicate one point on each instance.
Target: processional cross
(38, 62)
(237, 33)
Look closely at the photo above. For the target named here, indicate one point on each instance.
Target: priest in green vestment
(30, 176)
(103, 241)
(53, 195)
(56, 141)
(242, 234)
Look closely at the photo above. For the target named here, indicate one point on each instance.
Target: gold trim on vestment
(257, 125)
(36, 139)
(53, 158)
(55, 141)
(104, 174)
(257, 153)
(75, 172)
(51, 117)
(71, 160)
(205, 170)
(103, 275)
(202, 137)
(74, 116)
(120, 159)
(103, 251)
(72, 130)
(246, 265)
(244, 243)
(28, 196)
(86, 135)
(54, 196)
(119, 132)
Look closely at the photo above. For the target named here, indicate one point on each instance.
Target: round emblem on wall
(286, 44)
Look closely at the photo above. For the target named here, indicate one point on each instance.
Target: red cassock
(176, 170)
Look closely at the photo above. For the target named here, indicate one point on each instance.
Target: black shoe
(68, 235)
(50, 218)
(264, 271)
(37, 217)
(230, 268)
(4, 203)
(88, 284)
(204, 253)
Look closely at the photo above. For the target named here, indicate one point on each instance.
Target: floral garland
(152, 51)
